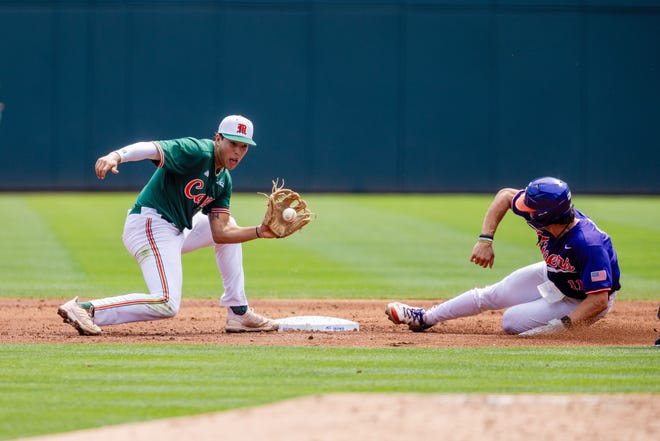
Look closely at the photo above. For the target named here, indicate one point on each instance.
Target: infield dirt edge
(374, 417)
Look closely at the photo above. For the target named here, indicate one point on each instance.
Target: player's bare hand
(483, 255)
(107, 163)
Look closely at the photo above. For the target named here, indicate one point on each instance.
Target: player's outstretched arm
(133, 152)
(224, 232)
(482, 252)
(107, 163)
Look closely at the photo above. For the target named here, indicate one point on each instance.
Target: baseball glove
(279, 200)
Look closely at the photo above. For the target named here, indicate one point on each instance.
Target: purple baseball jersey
(581, 261)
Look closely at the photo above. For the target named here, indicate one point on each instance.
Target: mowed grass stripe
(55, 388)
(359, 246)
(392, 245)
(33, 261)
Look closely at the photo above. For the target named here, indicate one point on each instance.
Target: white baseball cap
(237, 128)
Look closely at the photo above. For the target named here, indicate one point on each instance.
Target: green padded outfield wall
(369, 96)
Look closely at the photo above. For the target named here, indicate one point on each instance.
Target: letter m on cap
(242, 129)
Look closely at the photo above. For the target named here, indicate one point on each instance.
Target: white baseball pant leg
(518, 291)
(228, 257)
(156, 245)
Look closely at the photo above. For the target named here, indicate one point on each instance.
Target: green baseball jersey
(185, 182)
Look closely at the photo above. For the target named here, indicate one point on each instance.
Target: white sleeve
(139, 151)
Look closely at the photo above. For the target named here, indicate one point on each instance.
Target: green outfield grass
(359, 246)
(57, 388)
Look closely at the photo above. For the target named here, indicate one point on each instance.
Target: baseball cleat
(402, 314)
(77, 316)
(249, 322)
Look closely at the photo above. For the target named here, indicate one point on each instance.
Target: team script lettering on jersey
(554, 260)
(199, 198)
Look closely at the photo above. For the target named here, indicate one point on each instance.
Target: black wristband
(256, 230)
(485, 238)
(568, 323)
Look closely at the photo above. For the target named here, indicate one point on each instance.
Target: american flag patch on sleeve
(598, 276)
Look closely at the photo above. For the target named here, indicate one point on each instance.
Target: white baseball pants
(157, 245)
(519, 293)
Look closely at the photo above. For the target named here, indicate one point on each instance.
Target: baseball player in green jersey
(183, 207)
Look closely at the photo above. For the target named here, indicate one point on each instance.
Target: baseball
(289, 214)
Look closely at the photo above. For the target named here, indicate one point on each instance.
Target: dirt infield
(202, 321)
(369, 416)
